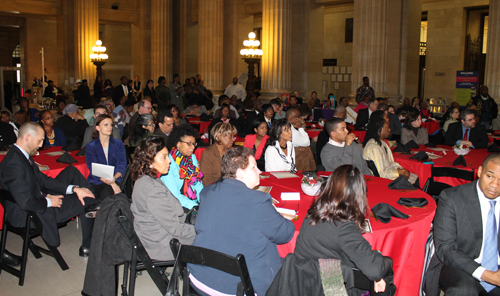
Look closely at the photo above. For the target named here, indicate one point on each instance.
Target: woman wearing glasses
(143, 128)
(210, 163)
(184, 177)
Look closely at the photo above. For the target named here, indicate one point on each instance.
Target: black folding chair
(371, 165)
(434, 188)
(126, 185)
(197, 255)
(140, 261)
(27, 233)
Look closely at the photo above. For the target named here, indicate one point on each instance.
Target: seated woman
(175, 112)
(195, 108)
(233, 112)
(184, 179)
(53, 135)
(144, 127)
(333, 226)
(235, 219)
(377, 150)
(24, 113)
(158, 215)
(267, 114)
(413, 130)
(257, 141)
(108, 151)
(280, 155)
(226, 118)
(450, 117)
(223, 136)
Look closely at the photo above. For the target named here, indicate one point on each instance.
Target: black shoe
(84, 252)
(91, 210)
(11, 259)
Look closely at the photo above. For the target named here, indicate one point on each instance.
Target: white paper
(284, 175)
(439, 149)
(103, 171)
(290, 196)
(286, 211)
(56, 153)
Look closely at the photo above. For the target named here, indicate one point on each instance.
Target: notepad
(287, 213)
(265, 189)
(284, 175)
(290, 196)
(103, 171)
(56, 153)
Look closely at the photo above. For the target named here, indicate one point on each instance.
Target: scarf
(293, 169)
(187, 172)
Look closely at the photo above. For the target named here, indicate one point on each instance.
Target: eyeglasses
(189, 143)
(151, 124)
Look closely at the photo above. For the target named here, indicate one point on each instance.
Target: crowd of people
(146, 129)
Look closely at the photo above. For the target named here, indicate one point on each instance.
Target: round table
(402, 239)
(54, 167)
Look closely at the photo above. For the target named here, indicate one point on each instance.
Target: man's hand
(56, 200)
(349, 139)
(404, 172)
(379, 286)
(466, 143)
(82, 193)
(492, 277)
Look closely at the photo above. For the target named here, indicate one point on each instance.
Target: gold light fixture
(251, 49)
(99, 56)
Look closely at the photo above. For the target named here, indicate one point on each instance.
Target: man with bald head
(54, 200)
(236, 89)
(300, 140)
(486, 107)
(145, 107)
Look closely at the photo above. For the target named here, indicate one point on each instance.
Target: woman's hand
(379, 286)
(116, 189)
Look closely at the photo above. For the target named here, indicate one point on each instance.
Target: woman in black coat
(82, 96)
(149, 90)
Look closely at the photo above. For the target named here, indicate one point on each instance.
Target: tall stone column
(370, 45)
(183, 15)
(276, 45)
(86, 34)
(492, 72)
(161, 39)
(210, 43)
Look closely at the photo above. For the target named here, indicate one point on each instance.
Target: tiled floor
(45, 277)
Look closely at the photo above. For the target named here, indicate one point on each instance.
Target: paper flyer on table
(284, 175)
(290, 196)
(103, 171)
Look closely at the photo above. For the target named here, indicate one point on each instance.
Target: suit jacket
(251, 116)
(94, 153)
(421, 138)
(243, 223)
(210, 165)
(29, 186)
(362, 119)
(158, 217)
(394, 124)
(158, 132)
(477, 135)
(118, 94)
(458, 233)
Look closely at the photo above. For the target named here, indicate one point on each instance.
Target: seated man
(323, 138)
(341, 148)
(364, 114)
(87, 137)
(34, 191)
(467, 132)
(165, 124)
(466, 236)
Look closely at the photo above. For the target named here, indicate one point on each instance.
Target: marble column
(210, 43)
(161, 39)
(370, 45)
(183, 16)
(276, 45)
(492, 71)
(86, 33)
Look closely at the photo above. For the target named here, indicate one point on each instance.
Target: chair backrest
(126, 185)
(452, 172)
(158, 278)
(5, 196)
(197, 255)
(371, 165)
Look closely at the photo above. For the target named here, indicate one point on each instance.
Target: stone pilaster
(161, 39)
(210, 43)
(276, 45)
(492, 72)
(86, 34)
(183, 16)
(370, 45)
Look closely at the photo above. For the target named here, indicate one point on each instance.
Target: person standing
(487, 108)
(162, 94)
(236, 89)
(98, 89)
(136, 88)
(121, 90)
(176, 91)
(365, 90)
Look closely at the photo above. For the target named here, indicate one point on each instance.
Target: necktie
(466, 135)
(269, 124)
(125, 90)
(490, 247)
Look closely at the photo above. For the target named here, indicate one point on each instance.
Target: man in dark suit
(53, 200)
(252, 115)
(165, 124)
(121, 90)
(394, 122)
(364, 114)
(467, 132)
(466, 236)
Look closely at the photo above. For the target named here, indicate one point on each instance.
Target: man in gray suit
(466, 236)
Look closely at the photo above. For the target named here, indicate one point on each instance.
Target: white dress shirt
(300, 138)
(484, 203)
(274, 160)
(236, 89)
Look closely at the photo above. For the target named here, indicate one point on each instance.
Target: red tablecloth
(494, 137)
(432, 126)
(203, 124)
(402, 240)
(361, 135)
(54, 166)
(474, 159)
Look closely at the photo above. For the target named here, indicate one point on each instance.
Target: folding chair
(371, 165)
(140, 261)
(27, 233)
(126, 185)
(434, 188)
(197, 255)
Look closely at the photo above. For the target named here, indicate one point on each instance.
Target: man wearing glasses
(87, 137)
(467, 132)
(145, 107)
